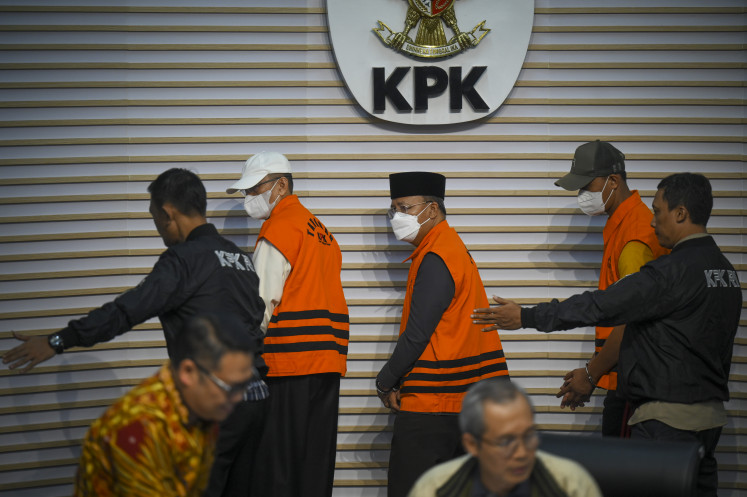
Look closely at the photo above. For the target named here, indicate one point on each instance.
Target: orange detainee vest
(631, 221)
(459, 353)
(309, 329)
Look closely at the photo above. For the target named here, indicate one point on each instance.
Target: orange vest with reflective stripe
(631, 221)
(309, 328)
(459, 353)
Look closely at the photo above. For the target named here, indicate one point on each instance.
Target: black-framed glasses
(403, 209)
(252, 190)
(508, 444)
(230, 390)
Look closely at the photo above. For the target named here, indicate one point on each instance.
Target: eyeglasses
(253, 190)
(402, 208)
(508, 445)
(230, 390)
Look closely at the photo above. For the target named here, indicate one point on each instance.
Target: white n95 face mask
(591, 203)
(258, 206)
(406, 226)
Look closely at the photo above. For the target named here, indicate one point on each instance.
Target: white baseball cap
(257, 167)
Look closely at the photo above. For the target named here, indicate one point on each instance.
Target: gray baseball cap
(592, 160)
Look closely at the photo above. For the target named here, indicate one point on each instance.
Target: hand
(507, 316)
(392, 401)
(33, 350)
(571, 404)
(576, 389)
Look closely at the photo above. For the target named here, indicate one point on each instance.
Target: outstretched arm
(578, 384)
(160, 291)
(33, 350)
(506, 316)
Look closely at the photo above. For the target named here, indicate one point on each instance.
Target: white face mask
(406, 226)
(591, 202)
(258, 206)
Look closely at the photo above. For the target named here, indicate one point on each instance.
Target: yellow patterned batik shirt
(145, 445)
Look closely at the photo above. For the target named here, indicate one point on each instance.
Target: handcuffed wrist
(588, 376)
(380, 390)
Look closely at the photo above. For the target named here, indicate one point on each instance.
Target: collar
(462, 477)
(523, 489)
(166, 376)
(622, 210)
(426, 242)
(287, 201)
(283, 204)
(468, 475)
(540, 481)
(202, 230)
(694, 236)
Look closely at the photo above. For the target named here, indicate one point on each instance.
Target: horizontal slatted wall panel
(99, 99)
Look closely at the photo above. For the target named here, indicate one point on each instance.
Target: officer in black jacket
(682, 312)
(199, 272)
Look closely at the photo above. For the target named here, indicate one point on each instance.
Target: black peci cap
(417, 183)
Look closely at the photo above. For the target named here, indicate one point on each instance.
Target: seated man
(499, 434)
(159, 438)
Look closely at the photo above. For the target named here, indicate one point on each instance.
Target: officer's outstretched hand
(506, 316)
(32, 351)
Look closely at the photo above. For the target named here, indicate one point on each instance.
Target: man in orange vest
(682, 312)
(306, 327)
(440, 353)
(598, 173)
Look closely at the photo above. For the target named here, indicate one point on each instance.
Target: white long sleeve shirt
(273, 269)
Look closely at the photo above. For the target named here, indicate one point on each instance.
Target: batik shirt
(147, 444)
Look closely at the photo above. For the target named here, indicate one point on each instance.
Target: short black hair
(691, 190)
(206, 338)
(181, 188)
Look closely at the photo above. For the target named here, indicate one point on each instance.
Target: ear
(681, 214)
(469, 442)
(615, 180)
(282, 188)
(170, 211)
(187, 372)
(433, 210)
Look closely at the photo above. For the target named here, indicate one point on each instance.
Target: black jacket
(205, 273)
(682, 312)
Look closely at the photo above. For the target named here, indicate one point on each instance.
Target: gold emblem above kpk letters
(430, 41)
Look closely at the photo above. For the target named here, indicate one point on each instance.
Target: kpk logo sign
(431, 38)
(430, 71)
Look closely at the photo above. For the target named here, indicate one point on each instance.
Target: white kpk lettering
(234, 260)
